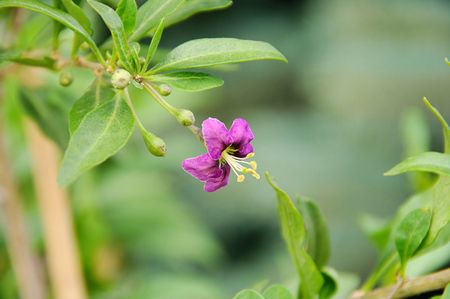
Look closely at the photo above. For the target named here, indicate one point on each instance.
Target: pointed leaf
(277, 292)
(189, 81)
(127, 10)
(411, 232)
(97, 94)
(430, 161)
(192, 7)
(329, 286)
(153, 45)
(115, 26)
(206, 52)
(150, 14)
(57, 15)
(293, 231)
(248, 294)
(76, 12)
(317, 237)
(102, 133)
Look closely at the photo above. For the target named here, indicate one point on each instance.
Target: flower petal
(214, 184)
(216, 137)
(202, 167)
(240, 133)
(244, 150)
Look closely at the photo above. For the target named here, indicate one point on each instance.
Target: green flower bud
(155, 145)
(121, 78)
(163, 89)
(185, 117)
(65, 78)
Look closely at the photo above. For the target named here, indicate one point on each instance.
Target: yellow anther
(256, 176)
(240, 178)
(251, 155)
(253, 165)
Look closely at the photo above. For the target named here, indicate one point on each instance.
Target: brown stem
(62, 255)
(24, 262)
(428, 283)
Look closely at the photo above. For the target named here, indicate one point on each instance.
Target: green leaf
(57, 15)
(115, 26)
(293, 231)
(411, 232)
(317, 237)
(430, 161)
(329, 286)
(207, 52)
(277, 292)
(248, 294)
(446, 294)
(78, 14)
(102, 133)
(189, 81)
(376, 229)
(127, 10)
(153, 45)
(444, 124)
(189, 8)
(150, 15)
(97, 94)
(18, 57)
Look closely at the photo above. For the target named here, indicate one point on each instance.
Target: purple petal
(240, 133)
(216, 137)
(244, 150)
(202, 167)
(214, 184)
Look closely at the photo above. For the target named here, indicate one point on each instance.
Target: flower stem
(133, 111)
(159, 99)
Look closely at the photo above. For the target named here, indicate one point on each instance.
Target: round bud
(121, 78)
(185, 117)
(163, 89)
(155, 145)
(65, 78)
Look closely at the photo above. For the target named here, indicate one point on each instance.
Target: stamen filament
(235, 164)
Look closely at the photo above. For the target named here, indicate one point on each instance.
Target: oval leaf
(189, 81)
(98, 93)
(115, 26)
(248, 294)
(430, 161)
(57, 15)
(127, 12)
(277, 292)
(150, 14)
(102, 133)
(206, 52)
(192, 7)
(411, 232)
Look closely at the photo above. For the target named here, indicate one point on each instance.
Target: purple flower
(228, 150)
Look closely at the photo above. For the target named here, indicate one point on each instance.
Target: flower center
(240, 166)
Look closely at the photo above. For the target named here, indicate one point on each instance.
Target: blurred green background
(327, 125)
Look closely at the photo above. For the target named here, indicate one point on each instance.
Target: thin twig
(428, 283)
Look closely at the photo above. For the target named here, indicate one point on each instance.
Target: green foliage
(330, 284)
(115, 25)
(189, 81)
(78, 14)
(317, 237)
(411, 232)
(438, 163)
(150, 14)
(97, 94)
(205, 52)
(127, 10)
(273, 292)
(58, 15)
(153, 45)
(101, 133)
(294, 234)
(277, 292)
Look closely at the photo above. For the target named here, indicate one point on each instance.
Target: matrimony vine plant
(102, 120)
